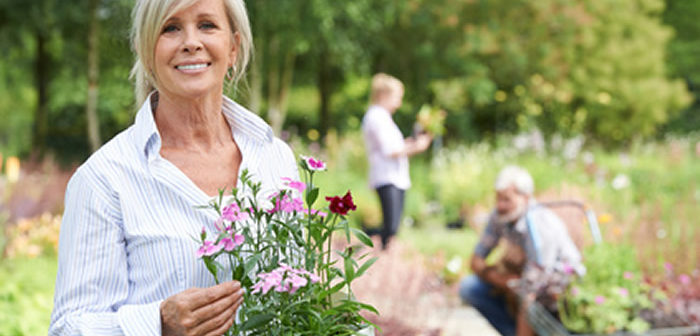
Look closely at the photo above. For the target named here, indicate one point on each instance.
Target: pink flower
(287, 204)
(575, 291)
(284, 279)
(315, 212)
(668, 267)
(684, 279)
(623, 292)
(233, 213)
(599, 299)
(267, 282)
(208, 248)
(219, 224)
(296, 185)
(229, 244)
(568, 269)
(313, 164)
(629, 275)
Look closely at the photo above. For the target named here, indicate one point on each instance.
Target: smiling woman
(127, 261)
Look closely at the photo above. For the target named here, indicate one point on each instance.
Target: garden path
(414, 301)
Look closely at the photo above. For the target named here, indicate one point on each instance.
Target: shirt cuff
(140, 320)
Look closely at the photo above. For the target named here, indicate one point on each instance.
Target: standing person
(388, 151)
(126, 260)
(534, 236)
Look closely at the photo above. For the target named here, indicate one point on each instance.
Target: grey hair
(514, 176)
(148, 18)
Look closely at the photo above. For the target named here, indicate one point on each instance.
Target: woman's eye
(169, 28)
(207, 25)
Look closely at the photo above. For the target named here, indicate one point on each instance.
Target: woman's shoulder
(108, 161)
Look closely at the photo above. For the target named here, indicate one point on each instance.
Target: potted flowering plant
(279, 248)
(432, 120)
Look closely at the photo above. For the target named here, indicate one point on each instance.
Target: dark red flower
(342, 205)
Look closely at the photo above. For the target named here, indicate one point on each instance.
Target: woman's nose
(192, 42)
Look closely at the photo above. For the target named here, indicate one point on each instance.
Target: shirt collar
(380, 108)
(242, 122)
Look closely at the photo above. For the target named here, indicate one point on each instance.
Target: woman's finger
(205, 296)
(221, 322)
(214, 308)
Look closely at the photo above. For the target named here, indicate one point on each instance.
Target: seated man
(534, 236)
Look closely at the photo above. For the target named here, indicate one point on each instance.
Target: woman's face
(194, 51)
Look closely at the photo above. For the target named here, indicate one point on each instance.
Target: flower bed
(614, 296)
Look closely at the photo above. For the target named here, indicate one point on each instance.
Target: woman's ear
(235, 42)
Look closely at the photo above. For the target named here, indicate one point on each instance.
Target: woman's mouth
(191, 67)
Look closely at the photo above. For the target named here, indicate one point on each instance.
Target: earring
(231, 73)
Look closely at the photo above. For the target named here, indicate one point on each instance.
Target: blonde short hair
(383, 84)
(149, 16)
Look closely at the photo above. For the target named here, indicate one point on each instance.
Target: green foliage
(26, 295)
(610, 296)
(563, 66)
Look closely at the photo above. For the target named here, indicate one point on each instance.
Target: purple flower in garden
(684, 279)
(568, 269)
(599, 299)
(233, 213)
(296, 185)
(629, 275)
(623, 292)
(575, 291)
(208, 248)
(287, 204)
(668, 267)
(313, 164)
(267, 282)
(219, 224)
(231, 243)
(315, 212)
(283, 279)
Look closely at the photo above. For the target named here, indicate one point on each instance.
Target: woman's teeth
(192, 66)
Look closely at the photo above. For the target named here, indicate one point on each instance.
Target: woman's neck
(192, 123)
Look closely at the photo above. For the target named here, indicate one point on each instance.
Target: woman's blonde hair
(383, 84)
(148, 18)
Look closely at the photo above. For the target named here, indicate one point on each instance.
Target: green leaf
(311, 196)
(256, 321)
(349, 270)
(362, 236)
(364, 267)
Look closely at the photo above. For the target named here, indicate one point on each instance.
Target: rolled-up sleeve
(489, 239)
(92, 284)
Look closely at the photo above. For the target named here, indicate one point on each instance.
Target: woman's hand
(201, 311)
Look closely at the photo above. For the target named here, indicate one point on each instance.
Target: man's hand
(201, 311)
(490, 275)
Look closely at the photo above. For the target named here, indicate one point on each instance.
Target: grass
(26, 295)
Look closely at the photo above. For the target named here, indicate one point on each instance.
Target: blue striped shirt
(127, 237)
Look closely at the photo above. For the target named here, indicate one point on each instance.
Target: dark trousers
(392, 199)
(478, 294)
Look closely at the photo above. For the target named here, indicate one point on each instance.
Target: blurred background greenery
(598, 99)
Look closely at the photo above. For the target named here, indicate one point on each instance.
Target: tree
(93, 66)
(563, 65)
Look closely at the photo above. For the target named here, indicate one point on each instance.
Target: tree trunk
(93, 123)
(325, 91)
(279, 85)
(255, 101)
(41, 68)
